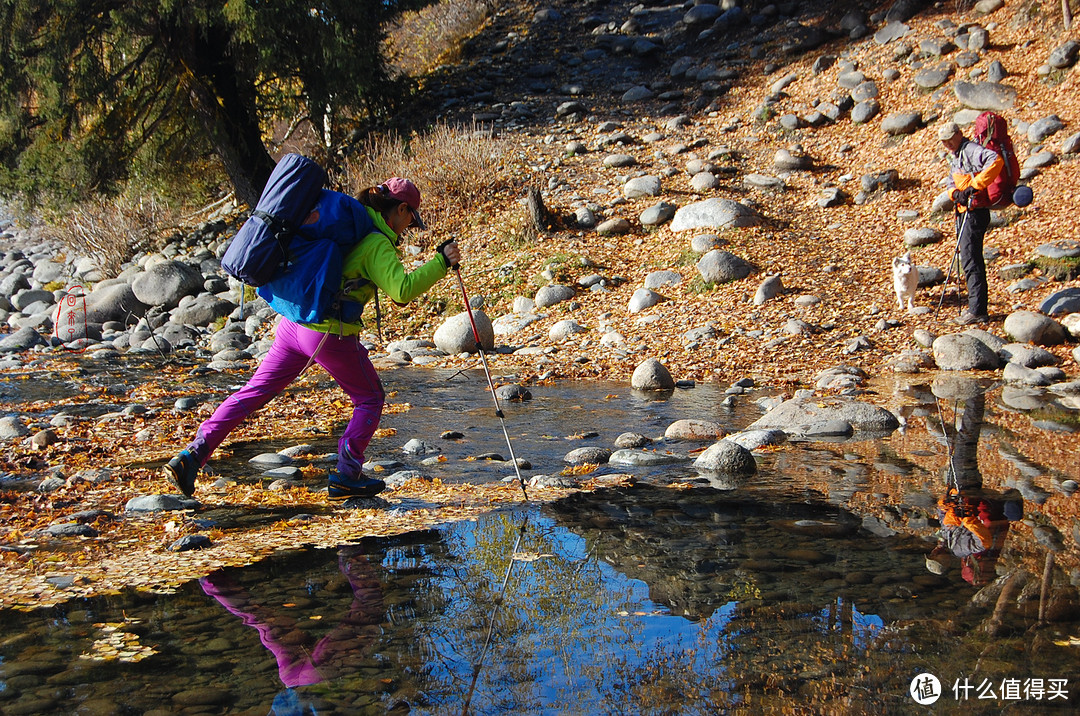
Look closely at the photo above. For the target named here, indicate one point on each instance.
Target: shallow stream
(805, 588)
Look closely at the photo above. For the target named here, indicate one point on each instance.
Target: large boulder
(203, 311)
(1032, 327)
(21, 340)
(714, 214)
(1066, 300)
(651, 374)
(719, 266)
(728, 458)
(166, 283)
(694, 430)
(113, 301)
(455, 335)
(794, 416)
(985, 95)
(959, 351)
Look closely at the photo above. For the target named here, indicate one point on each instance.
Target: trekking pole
(952, 262)
(491, 384)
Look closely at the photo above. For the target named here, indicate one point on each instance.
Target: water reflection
(974, 521)
(303, 660)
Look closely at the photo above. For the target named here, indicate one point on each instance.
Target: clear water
(792, 591)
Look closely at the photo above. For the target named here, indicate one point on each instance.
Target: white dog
(905, 279)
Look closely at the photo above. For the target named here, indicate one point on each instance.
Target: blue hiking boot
(341, 487)
(181, 471)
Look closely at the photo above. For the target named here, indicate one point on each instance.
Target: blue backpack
(297, 268)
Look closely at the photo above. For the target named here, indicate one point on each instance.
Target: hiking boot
(341, 487)
(968, 318)
(181, 471)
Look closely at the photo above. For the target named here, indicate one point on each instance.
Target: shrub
(456, 169)
(422, 40)
(113, 230)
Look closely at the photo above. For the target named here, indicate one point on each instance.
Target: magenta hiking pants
(343, 357)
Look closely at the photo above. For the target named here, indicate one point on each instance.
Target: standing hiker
(972, 168)
(333, 344)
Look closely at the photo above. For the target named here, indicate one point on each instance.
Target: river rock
(985, 95)
(728, 458)
(166, 283)
(769, 289)
(1061, 302)
(1019, 374)
(644, 298)
(1031, 327)
(754, 439)
(513, 393)
(1046, 127)
(553, 294)
(644, 458)
(1064, 55)
(651, 374)
(657, 214)
(796, 414)
(714, 214)
(21, 340)
(921, 237)
(657, 279)
(190, 542)
(719, 266)
(12, 427)
(455, 335)
(631, 440)
(561, 330)
(863, 112)
(204, 310)
(901, 123)
(641, 186)
(959, 351)
(588, 455)
(156, 503)
(1028, 355)
(694, 430)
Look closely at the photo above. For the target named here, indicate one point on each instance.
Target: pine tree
(90, 89)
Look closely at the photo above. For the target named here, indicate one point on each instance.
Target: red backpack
(992, 132)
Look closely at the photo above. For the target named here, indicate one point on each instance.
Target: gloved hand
(962, 197)
(450, 252)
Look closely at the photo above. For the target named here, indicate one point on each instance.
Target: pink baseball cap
(406, 192)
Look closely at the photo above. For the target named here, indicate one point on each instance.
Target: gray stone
(21, 340)
(651, 374)
(203, 311)
(561, 330)
(754, 439)
(12, 427)
(1022, 375)
(614, 226)
(27, 297)
(798, 412)
(891, 31)
(901, 123)
(704, 14)
(71, 530)
(703, 182)
(641, 186)
(270, 460)
(863, 112)
(694, 431)
(958, 351)
(513, 393)
(553, 294)
(631, 440)
(1071, 145)
(166, 283)
(921, 237)
(657, 214)
(456, 336)
(714, 214)
(1061, 249)
(1064, 55)
(1046, 127)
(190, 542)
(1039, 160)
(786, 160)
(619, 161)
(1027, 355)
(933, 77)
(156, 503)
(985, 95)
(769, 289)
(719, 266)
(762, 181)
(658, 279)
(727, 457)
(642, 458)
(1031, 327)
(643, 299)
(588, 455)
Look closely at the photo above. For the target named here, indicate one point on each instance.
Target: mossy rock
(1061, 269)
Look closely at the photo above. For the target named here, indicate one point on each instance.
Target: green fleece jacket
(376, 259)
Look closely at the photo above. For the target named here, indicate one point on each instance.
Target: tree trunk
(1066, 14)
(224, 103)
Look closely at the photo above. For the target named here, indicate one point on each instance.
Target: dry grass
(422, 40)
(457, 169)
(113, 230)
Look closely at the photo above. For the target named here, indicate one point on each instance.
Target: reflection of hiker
(974, 521)
(334, 345)
(972, 168)
(301, 660)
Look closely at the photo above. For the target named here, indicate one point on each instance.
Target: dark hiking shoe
(968, 318)
(342, 488)
(181, 471)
